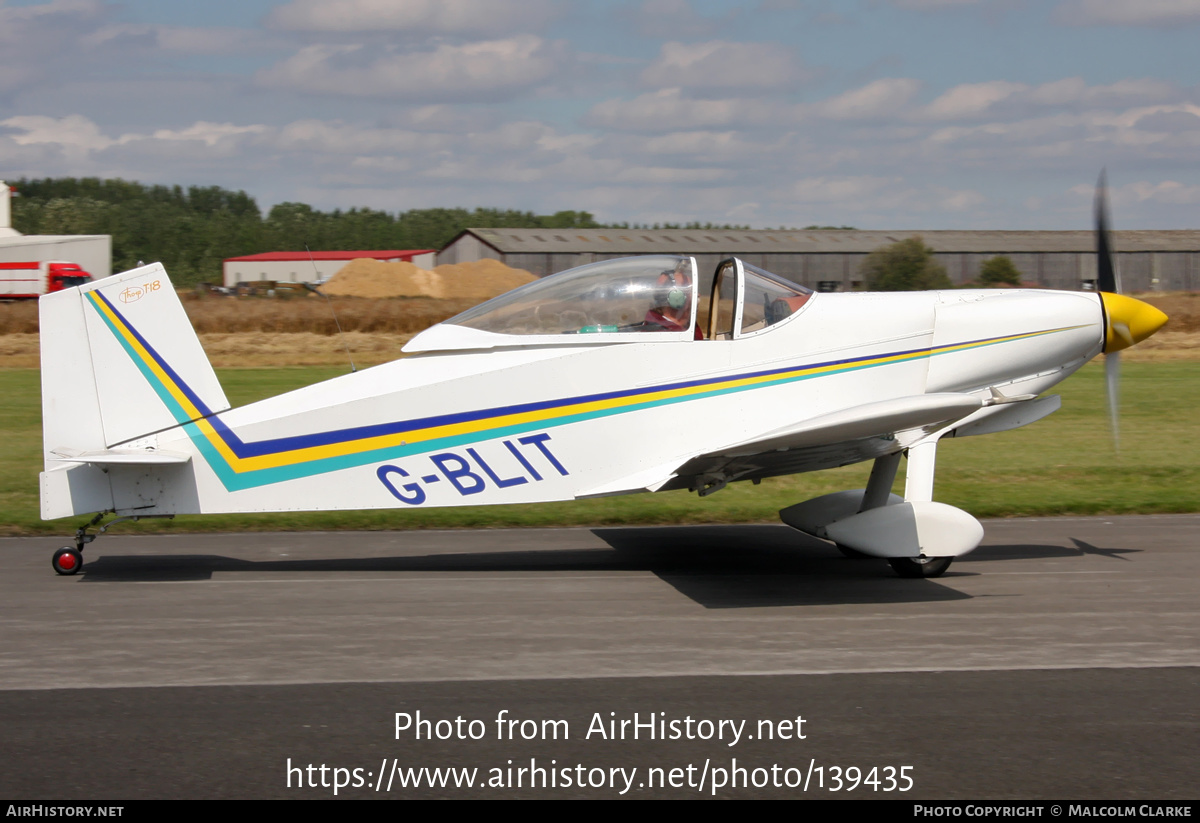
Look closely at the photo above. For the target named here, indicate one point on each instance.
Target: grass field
(1062, 465)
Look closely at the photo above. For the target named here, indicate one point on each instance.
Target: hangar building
(830, 259)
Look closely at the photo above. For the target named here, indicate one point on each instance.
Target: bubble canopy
(653, 297)
(612, 296)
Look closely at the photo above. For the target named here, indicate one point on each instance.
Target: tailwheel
(67, 560)
(920, 566)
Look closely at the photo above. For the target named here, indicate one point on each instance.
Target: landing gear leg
(879, 486)
(876, 494)
(918, 487)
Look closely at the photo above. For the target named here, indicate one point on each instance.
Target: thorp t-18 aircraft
(611, 378)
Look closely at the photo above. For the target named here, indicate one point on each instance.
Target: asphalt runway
(1058, 661)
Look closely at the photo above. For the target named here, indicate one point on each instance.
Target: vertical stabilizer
(120, 362)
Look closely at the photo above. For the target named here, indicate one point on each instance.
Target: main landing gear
(69, 559)
(918, 537)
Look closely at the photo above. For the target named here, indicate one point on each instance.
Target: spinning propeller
(1127, 321)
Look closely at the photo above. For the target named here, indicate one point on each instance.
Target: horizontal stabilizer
(77, 489)
(120, 457)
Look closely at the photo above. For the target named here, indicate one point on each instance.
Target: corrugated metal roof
(820, 241)
(287, 256)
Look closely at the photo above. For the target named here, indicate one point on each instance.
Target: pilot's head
(673, 291)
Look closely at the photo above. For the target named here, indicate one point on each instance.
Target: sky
(878, 114)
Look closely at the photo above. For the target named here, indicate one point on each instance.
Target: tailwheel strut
(69, 559)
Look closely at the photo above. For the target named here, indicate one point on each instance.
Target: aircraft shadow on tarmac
(716, 566)
(1026, 551)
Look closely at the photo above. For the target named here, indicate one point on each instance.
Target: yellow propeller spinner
(1129, 321)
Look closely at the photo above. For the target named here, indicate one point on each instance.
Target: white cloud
(210, 134)
(1074, 90)
(176, 39)
(1166, 192)
(77, 135)
(693, 143)
(724, 65)
(74, 133)
(886, 96)
(669, 110)
(482, 70)
(1138, 116)
(1169, 192)
(1157, 13)
(1072, 139)
(961, 200)
(971, 99)
(1017, 100)
(567, 144)
(14, 15)
(467, 17)
(335, 137)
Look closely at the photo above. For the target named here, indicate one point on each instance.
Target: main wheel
(920, 566)
(67, 560)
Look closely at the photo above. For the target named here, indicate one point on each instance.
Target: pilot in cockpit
(673, 301)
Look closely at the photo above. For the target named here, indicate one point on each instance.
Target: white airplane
(611, 378)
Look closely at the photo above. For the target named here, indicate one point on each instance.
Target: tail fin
(119, 362)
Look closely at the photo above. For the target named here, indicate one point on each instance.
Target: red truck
(33, 279)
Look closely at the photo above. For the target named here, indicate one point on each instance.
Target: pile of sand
(365, 277)
(480, 280)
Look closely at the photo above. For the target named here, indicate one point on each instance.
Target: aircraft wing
(850, 435)
(886, 417)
